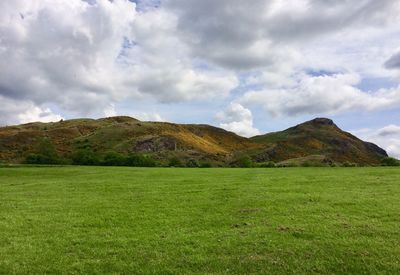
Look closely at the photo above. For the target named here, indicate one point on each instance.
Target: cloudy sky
(247, 66)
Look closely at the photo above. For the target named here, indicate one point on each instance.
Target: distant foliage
(175, 162)
(390, 162)
(205, 165)
(114, 159)
(288, 164)
(269, 164)
(140, 161)
(349, 164)
(45, 153)
(85, 157)
(192, 163)
(88, 157)
(243, 161)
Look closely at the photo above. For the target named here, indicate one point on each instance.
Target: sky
(250, 67)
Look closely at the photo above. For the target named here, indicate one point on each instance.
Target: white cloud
(327, 94)
(149, 116)
(38, 114)
(58, 52)
(110, 111)
(237, 35)
(282, 45)
(237, 119)
(161, 67)
(83, 57)
(16, 112)
(86, 56)
(387, 137)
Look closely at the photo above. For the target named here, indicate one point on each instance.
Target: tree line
(46, 153)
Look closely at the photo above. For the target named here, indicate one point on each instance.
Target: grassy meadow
(200, 221)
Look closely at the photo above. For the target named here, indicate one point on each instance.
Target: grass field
(174, 221)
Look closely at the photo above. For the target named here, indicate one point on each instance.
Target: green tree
(390, 162)
(244, 161)
(45, 153)
(268, 164)
(175, 162)
(192, 163)
(85, 157)
(349, 164)
(114, 159)
(205, 164)
(140, 161)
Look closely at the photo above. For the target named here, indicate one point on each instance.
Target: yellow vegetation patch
(197, 142)
(314, 144)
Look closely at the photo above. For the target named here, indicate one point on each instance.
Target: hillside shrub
(205, 164)
(243, 161)
(349, 164)
(85, 157)
(138, 160)
(45, 153)
(88, 157)
(114, 159)
(388, 161)
(39, 159)
(192, 163)
(268, 164)
(175, 162)
(288, 164)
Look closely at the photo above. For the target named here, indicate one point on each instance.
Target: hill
(318, 137)
(317, 141)
(159, 140)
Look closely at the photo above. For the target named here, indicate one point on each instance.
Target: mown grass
(173, 221)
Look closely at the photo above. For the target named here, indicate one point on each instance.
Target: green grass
(174, 221)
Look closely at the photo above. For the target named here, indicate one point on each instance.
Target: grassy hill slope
(316, 141)
(123, 135)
